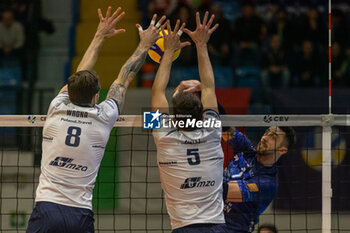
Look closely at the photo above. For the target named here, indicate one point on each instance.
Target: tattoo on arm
(132, 66)
(117, 92)
(118, 89)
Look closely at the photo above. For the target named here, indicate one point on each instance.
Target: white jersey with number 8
(74, 141)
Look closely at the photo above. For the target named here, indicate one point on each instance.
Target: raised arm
(105, 29)
(201, 37)
(129, 70)
(171, 45)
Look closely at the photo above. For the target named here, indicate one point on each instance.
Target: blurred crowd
(21, 22)
(12, 33)
(286, 41)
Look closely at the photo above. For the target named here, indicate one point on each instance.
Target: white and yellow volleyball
(157, 50)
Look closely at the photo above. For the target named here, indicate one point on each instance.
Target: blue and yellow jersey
(258, 185)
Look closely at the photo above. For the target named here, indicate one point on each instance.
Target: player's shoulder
(108, 104)
(61, 98)
(107, 110)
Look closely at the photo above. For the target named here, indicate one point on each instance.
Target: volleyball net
(314, 176)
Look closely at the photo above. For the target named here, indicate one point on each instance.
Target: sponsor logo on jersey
(227, 207)
(197, 182)
(151, 120)
(67, 163)
(167, 164)
(195, 141)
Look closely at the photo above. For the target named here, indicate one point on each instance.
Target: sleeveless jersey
(74, 141)
(190, 166)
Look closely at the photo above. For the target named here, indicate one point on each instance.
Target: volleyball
(157, 50)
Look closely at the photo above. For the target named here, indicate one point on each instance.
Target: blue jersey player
(251, 176)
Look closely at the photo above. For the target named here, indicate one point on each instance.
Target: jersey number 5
(193, 161)
(73, 138)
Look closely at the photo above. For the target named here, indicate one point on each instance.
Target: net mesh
(128, 195)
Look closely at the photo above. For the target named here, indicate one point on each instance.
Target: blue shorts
(48, 217)
(202, 228)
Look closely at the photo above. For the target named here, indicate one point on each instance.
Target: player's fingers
(116, 13)
(139, 27)
(211, 21)
(175, 93)
(205, 18)
(184, 44)
(163, 33)
(177, 88)
(160, 21)
(108, 12)
(99, 12)
(181, 29)
(189, 89)
(177, 26)
(153, 20)
(119, 31)
(213, 28)
(163, 27)
(198, 20)
(116, 20)
(188, 32)
(168, 26)
(183, 85)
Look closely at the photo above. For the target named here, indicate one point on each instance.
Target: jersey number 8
(73, 138)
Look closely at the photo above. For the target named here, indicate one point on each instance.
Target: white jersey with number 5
(74, 141)
(191, 166)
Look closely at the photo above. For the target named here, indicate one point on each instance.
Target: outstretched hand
(106, 27)
(172, 39)
(203, 31)
(189, 86)
(149, 36)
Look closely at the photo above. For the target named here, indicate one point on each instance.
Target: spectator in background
(346, 67)
(249, 29)
(338, 71)
(249, 32)
(11, 36)
(283, 27)
(267, 228)
(220, 43)
(307, 68)
(161, 7)
(314, 29)
(275, 68)
(20, 9)
(185, 13)
(340, 29)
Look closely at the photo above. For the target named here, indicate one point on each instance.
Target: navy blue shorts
(202, 228)
(48, 217)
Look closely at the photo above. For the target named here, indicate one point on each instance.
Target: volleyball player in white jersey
(76, 132)
(190, 159)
